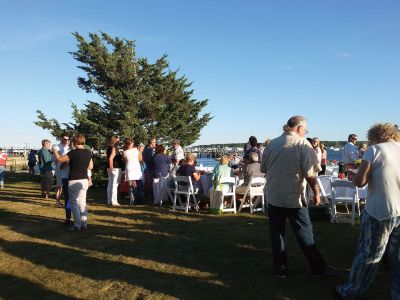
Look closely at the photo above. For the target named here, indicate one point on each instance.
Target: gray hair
(293, 122)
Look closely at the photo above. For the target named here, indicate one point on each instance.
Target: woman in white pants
(80, 161)
(114, 161)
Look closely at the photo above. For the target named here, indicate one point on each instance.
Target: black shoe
(327, 273)
(67, 222)
(281, 272)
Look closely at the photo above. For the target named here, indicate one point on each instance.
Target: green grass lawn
(146, 252)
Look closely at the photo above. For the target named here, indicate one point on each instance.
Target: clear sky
(258, 62)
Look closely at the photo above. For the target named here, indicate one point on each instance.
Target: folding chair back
(344, 192)
(184, 187)
(228, 191)
(255, 194)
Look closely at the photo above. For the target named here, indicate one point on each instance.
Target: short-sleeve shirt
(350, 153)
(187, 170)
(383, 200)
(45, 161)
(287, 161)
(79, 160)
(177, 154)
(161, 165)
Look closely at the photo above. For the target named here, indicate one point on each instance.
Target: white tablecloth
(206, 183)
(332, 170)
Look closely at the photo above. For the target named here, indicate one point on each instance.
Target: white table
(362, 192)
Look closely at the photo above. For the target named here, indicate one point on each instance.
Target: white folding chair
(324, 183)
(344, 192)
(255, 194)
(228, 190)
(171, 188)
(184, 187)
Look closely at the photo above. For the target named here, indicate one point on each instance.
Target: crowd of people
(289, 163)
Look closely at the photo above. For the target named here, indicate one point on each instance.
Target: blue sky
(258, 62)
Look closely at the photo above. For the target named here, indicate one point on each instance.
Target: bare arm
(312, 181)
(61, 159)
(140, 156)
(90, 165)
(361, 178)
(111, 158)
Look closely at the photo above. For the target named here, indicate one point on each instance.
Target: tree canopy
(138, 99)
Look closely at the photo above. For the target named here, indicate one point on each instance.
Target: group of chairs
(183, 195)
(336, 192)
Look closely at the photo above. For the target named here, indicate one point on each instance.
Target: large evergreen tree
(138, 99)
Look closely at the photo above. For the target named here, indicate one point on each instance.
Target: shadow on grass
(237, 259)
(234, 249)
(11, 287)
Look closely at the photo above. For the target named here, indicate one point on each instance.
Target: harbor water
(212, 162)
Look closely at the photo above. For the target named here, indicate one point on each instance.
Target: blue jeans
(300, 221)
(375, 237)
(2, 172)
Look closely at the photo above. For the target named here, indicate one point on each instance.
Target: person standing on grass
(289, 163)
(46, 168)
(161, 169)
(3, 165)
(148, 158)
(32, 161)
(380, 222)
(64, 174)
(133, 171)
(62, 149)
(115, 163)
(80, 161)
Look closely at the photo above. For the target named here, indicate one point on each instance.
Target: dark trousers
(67, 204)
(323, 171)
(300, 221)
(137, 191)
(148, 182)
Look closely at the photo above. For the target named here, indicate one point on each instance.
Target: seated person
(188, 169)
(252, 149)
(252, 169)
(172, 173)
(222, 170)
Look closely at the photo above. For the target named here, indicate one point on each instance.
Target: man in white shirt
(61, 172)
(290, 163)
(177, 152)
(350, 151)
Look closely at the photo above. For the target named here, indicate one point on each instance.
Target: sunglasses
(65, 139)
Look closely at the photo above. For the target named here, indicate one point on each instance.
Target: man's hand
(316, 199)
(312, 181)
